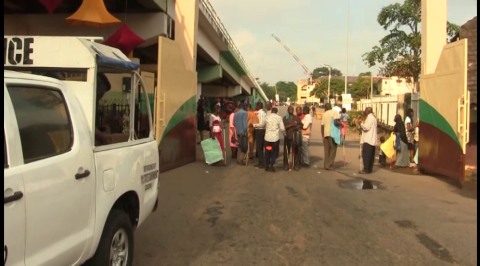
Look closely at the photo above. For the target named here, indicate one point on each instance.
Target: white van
(67, 199)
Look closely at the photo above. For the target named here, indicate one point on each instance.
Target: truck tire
(116, 243)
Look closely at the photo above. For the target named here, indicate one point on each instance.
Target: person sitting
(382, 158)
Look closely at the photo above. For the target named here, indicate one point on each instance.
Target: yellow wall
(175, 106)
(186, 29)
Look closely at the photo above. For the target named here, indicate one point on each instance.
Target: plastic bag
(243, 143)
(388, 147)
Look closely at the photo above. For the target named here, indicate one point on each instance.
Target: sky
(315, 30)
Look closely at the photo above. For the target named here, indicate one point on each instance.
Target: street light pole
(329, 77)
(346, 70)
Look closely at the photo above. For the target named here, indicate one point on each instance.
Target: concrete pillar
(434, 33)
(186, 28)
(199, 90)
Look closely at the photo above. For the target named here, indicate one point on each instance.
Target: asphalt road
(242, 216)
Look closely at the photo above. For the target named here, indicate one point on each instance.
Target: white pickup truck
(67, 199)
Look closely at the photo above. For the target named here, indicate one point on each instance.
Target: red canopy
(51, 5)
(124, 39)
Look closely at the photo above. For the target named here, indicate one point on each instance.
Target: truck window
(112, 116)
(142, 125)
(43, 121)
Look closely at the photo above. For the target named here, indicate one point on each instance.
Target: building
(395, 86)
(304, 90)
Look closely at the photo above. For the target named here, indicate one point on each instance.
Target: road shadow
(315, 159)
(316, 143)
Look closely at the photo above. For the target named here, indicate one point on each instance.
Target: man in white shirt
(368, 141)
(273, 124)
(306, 130)
(337, 109)
(260, 135)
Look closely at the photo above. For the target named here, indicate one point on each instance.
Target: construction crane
(305, 68)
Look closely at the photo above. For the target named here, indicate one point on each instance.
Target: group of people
(257, 132)
(403, 145)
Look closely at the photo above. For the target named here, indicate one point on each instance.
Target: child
(382, 158)
(344, 117)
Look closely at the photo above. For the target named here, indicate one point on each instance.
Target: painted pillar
(186, 28)
(434, 33)
(199, 90)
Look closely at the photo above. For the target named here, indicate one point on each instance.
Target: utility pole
(329, 77)
(346, 70)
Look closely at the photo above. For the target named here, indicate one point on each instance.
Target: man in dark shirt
(291, 123)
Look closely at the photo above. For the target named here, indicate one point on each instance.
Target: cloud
(242, 38)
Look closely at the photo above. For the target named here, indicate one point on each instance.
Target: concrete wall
(469, 31)
(208, 45)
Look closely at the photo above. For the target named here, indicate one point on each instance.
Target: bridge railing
(217, 24)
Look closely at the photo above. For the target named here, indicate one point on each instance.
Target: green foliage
(399, 52)
(323, 72)
(268, 90)
(354, 115)
(365, 74)
(285, 90)
(337, 86)
(362, 88)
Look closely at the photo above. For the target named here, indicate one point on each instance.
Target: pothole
(359, 184)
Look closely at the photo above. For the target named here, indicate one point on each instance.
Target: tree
(365, 74)
(399, 52)
(287, 90)
(337, 86)
(362, 87)
(268, 90)
(323, 72)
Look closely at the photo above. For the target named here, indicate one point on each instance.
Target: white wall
(395, 86)
(147, 25)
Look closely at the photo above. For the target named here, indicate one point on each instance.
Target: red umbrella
(51, 5)
(124, 39)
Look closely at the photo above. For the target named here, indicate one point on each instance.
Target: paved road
(240, 216)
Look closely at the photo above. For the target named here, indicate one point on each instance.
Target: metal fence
(386, 107)
(115, 115)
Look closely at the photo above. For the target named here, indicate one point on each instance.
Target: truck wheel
(116, 245)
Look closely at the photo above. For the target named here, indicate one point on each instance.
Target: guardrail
(217, 24)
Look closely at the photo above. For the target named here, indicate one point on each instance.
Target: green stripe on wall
(429, 115)
(186, 110)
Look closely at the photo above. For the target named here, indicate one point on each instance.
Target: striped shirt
(369, 130)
